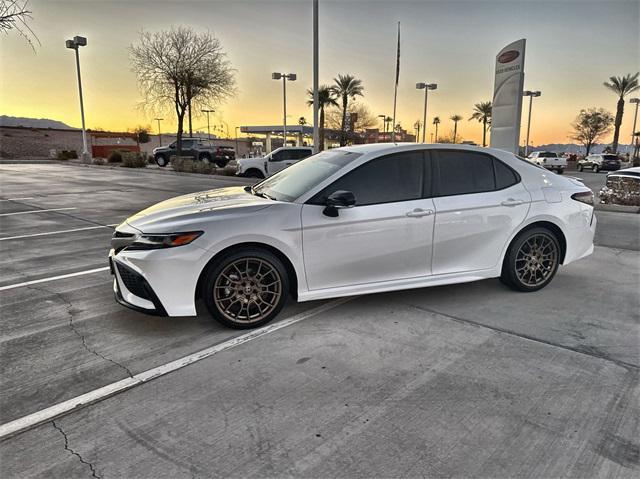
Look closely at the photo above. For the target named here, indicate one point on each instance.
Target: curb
(617, 208)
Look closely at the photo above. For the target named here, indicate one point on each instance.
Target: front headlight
(160, 241)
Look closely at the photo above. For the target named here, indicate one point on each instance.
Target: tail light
(585, 197)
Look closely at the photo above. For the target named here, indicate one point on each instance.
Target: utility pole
(284, 77)
(316, 75)
(531, 95)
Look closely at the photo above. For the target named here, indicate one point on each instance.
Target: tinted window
(505, 176)
(549, 154)
(462, 172)
(281, 155)
(384, 180)
(300, 154)
(610, 157)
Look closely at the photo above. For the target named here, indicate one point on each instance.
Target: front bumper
(133, 291)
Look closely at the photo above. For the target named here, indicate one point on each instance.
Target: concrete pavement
(466, 380)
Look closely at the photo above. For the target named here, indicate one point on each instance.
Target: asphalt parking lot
(465, 380)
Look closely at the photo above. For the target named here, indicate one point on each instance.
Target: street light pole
(284, 77)
(316, 80)
(635, 119)
(426, 87)
(208, 127)
(74, 45)
(237, 127)
(531, 95)
(159, 132)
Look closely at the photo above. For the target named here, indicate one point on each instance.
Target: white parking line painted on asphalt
(36, 211)
(55, 232)
(53, 278)
(18, 199)
(48, 414)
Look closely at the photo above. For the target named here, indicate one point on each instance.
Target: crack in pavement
(67, 448)
(69, 307)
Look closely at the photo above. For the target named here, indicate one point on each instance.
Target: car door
(279, 160)
(479, 202)
(386, 236)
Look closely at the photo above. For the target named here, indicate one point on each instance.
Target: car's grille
(133, 281)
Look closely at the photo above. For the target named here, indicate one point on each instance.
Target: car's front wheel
(532, 260)
(580, 168)
(161, 160)
(596, 168)
(246, 288)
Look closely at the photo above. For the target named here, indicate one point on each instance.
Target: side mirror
(338, 200)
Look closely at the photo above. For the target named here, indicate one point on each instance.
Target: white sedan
(351, 221)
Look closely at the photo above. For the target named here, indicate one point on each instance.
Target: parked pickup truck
(197, 148)
(548, 160)
(273, 162)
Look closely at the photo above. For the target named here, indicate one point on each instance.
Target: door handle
(418, 213)
(511, 202)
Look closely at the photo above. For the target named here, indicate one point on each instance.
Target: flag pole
(395, 92)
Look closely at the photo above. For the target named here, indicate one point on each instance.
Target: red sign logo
(508, 56)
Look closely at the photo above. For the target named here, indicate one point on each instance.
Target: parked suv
(272, 163)
(197, 148)
(548, 160)
(599, 162)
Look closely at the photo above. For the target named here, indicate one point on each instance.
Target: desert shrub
(186, 165)
(98, 161)
(115, 157)
(67, 155)
(131, 159)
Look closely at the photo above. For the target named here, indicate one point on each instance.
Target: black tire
(161, 160)
(221, 163)
(253, 173)
(228, 297)
(596, 168)
(520, 273)
(205, 157)
(560, 171)
(580, 168)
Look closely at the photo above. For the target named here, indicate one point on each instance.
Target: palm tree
(482, 113)
(436, 121)
(621, 86)
(455, 119)
(302, 120)
(387, 121)
(325, 99)
(346, 86)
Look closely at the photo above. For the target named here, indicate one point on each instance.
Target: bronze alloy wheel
(532, 260)
(247, 290)
(536, 260)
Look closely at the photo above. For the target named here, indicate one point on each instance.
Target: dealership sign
(507, 97)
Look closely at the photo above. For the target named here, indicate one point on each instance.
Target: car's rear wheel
(246, 288)
(596, 168)
(580, 167)
(205, 157)
(532, 260)
(560, 171)
(161, 160)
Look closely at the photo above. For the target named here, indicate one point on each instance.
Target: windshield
(548, 154)
(292, 182)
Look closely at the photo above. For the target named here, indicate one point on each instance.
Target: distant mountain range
(32, 122)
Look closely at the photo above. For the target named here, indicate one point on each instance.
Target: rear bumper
(133, 291)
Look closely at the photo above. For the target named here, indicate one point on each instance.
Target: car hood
(196, 207)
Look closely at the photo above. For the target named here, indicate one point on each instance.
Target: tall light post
(208, 127)
(75, 44)
(531, 95)
(159, 132)
(426, 87)
(416, 126)
(284, 77)
(237, 128)
(384, 124)
(316, 79)
(635, 119)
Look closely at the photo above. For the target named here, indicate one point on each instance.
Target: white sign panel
(507, 97)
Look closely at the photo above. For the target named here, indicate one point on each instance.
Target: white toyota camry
(350, 221)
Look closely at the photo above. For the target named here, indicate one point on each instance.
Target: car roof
(635, 170)
(390, 147)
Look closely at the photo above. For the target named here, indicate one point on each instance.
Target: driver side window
(280, 155)
(389, 179)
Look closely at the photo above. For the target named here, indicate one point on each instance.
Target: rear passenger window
(463, 172)
(505, 176)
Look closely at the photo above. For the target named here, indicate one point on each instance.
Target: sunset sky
(572, 47)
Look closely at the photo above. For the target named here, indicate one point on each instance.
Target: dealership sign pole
(507, 97)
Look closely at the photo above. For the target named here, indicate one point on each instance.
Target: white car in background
(273, 162)
(549, 160)
(349, 221)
